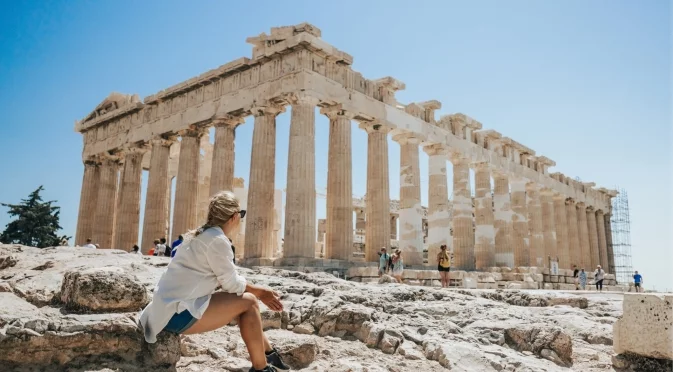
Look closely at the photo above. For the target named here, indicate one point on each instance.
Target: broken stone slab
(646, 326)
(538, 337)
(108, 289)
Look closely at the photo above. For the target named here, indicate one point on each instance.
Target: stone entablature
(290, 60)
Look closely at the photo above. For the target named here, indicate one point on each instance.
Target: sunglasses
(242, 213)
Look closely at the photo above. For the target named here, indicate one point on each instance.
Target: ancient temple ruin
(520, 215)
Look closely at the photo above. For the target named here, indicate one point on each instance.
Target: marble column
(602, 241)
(484, 240)
(520, 234)
(536, 250)
(106, 201)
(339, 229)
(439, 219)
(360, 222)
(300, 214)
(377, 234)
(561, 221)
(411, 212)
(548, 225)
(222, 169)
(610, 249)
(583, 230)
(503, 214)
(463, 233)
(594, 256)
(87, 202)
(158, 194)
(187, 183)
(574, 244)
(259, 221)
(127, 222)
(393, 226)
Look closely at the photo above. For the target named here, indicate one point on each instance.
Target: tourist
(97, 246)
(444, 265)
(576, 279)
(167, 249)
(398, 266)
(185, 301)
(160, 247)
(599, 275)
(154, 251)
(64, 242)
(383, 261)
(583, 279)
(175, 245)
(89, 244)
(136, 250)
(637, 281)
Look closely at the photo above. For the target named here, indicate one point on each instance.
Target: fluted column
(439, 220)
(339, 230)
(561, 221)
(127, 222)
(548, 225)
(106, 201)
(504, 248)
(574, 245)
(187, 183)
(583, 229)
(594, 258)
(608, 238)
(360, 222)
(536, 250)
(260, 219)
(411, 213)
(158, 194)
(87, 202)
(520, 234)
(393, 226)
(222, 169)
(463, 233)
(602, 241)
(377, 234)
(300, 228)
(484, 240)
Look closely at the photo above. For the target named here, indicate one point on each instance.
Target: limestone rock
(536, 338)
(645, 328)
(102, 289)
(7, 261)
(298, 352)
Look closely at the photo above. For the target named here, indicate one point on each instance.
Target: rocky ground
(75, 309)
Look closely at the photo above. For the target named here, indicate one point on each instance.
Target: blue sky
(585, 83)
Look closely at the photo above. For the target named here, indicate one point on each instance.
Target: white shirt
(89, 246)
(599, 274)
(190, 279)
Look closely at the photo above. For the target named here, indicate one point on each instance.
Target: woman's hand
(267, 296)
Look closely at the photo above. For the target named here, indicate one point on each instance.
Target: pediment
(113, 102)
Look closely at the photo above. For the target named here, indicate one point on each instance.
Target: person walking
(185, 301)
(599, 275)
(637, 281)
(398, 266)
(583, 279)
(444, 265)
(383, 262)
(576, 278)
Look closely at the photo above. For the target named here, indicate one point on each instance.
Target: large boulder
(548, 342)
(106, 289)
(646, 328)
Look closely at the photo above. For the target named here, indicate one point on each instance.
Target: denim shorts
(180, 322)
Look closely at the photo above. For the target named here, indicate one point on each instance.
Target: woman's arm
(220, 258)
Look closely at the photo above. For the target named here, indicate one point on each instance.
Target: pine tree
(36, 224)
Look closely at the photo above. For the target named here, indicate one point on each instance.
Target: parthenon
(520, 214)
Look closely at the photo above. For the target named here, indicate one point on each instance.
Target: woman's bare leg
(223, 308)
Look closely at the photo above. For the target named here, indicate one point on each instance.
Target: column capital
(590, 208)
(600, 211)
(302, 98)
(570, 201)
(228, 121)
(456, 158)
(373, 127)
(436, 149)
(580, 205)
(110, 159)
(92, 160)
(165, 141)
(404, 138)
(266, 109)
(197, 132)
(532, 186)
(547, 191)
(481, 165)
(336, 111)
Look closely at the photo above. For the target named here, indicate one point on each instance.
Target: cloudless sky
(585, 83)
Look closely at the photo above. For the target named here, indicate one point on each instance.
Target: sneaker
(266, 369)
(275, 360)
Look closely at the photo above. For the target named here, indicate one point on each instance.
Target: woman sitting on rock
(184, 302)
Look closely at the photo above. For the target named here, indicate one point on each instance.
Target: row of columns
(518, 228)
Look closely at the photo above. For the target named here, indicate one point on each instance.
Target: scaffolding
(621, 237)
